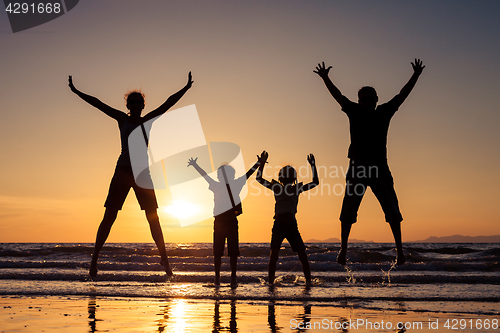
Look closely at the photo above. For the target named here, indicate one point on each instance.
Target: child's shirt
(222, 201)
(287, 197)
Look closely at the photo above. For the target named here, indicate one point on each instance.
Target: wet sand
(98, 314)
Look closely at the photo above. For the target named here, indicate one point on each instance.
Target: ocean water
(438, 277)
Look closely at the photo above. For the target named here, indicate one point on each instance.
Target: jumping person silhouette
(227, 206)
(286, 193)
(123, 179)
(368, 165)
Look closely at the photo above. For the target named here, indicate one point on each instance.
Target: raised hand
(311, 159)
(192, 161)
(417, 66)
(321, 70)
(262, 159)
(190, 80)
(70, 84)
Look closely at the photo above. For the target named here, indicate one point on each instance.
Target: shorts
(120, 185)
(226, 227)
(380, 180)
(285, 226)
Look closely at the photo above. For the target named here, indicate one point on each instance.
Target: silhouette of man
(369, 124)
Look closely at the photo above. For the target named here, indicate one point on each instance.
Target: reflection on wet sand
(92, 309)
(218, 326)
(232, 315)
(181, 315)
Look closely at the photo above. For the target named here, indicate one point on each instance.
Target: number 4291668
(41, 8)
(487, 324)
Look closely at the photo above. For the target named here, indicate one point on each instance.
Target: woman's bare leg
(102, 234)
(156, 232)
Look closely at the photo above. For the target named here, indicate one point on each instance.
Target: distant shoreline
(432, 239)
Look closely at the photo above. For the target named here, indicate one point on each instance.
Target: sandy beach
(98, 314)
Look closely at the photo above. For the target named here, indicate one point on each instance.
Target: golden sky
(252, 64)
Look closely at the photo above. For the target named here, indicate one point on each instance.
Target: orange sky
(252, 65)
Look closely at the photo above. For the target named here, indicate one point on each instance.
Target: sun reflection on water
(179, 317)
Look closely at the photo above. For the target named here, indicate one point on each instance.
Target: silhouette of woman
(123, 179)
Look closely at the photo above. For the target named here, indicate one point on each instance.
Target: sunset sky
(252, 64)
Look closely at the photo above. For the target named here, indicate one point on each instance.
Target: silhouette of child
(227, 206)
(286, 192)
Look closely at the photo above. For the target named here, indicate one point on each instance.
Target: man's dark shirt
(368, 130)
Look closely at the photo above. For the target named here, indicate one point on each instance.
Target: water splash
(299, 280)
(350, 275)
(387, 275)
(317, 282)
(262, 281)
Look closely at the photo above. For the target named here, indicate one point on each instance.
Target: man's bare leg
(396, 231)
(345, 231)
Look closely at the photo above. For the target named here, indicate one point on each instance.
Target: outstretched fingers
(190, 80)
(321, 69)
(311, 159)
(417, 66)
(192, 161)
(263, 157)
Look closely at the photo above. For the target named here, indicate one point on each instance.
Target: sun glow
(179, 316)
(181, 209)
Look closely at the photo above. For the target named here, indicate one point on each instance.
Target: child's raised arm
(253, 168)
(262, 159)
(315, 181)
(192, 162)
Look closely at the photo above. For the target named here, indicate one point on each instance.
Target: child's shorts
(123, 180)
(226, 227)
(285, 226)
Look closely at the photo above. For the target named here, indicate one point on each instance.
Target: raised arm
(262, 160)
(405, 91)
(315, 180)
(193, 162)
(253, 168)
(322, 71)
(108, 110)
(170, 101)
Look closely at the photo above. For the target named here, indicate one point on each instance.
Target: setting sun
(181, 209)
